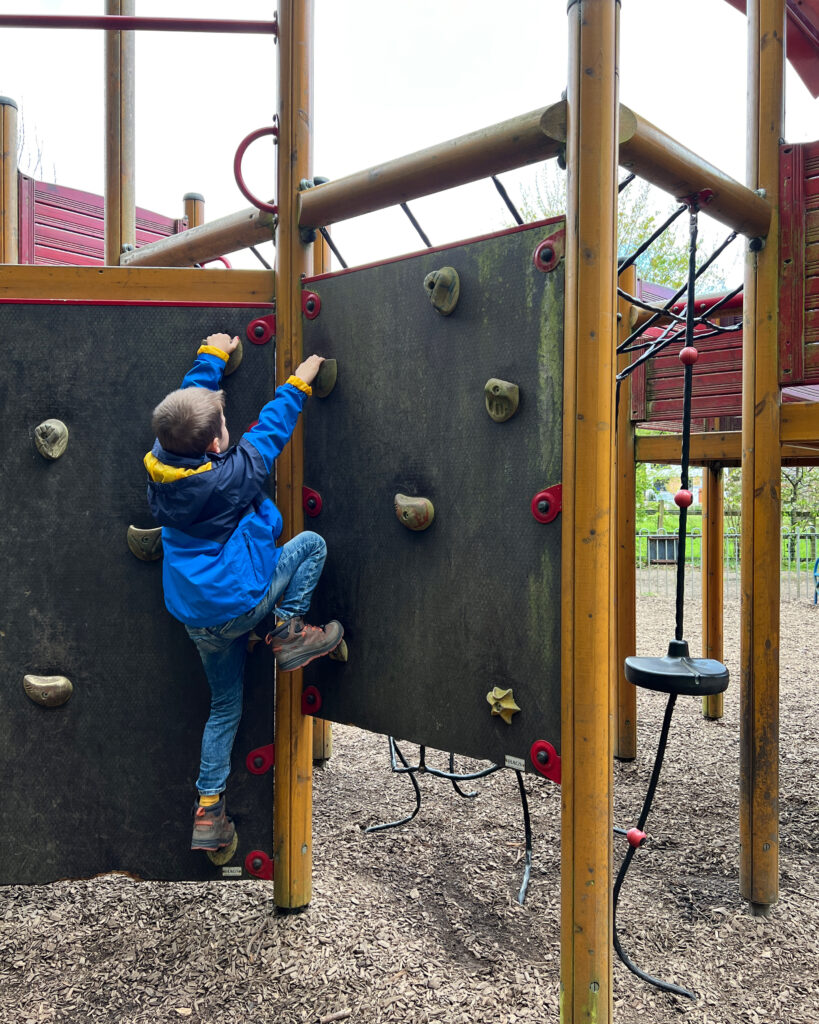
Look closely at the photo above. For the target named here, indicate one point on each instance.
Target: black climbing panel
(436, 619)
(106, 781)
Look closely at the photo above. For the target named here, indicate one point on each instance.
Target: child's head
(188, 421)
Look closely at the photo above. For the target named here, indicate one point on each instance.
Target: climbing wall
(105, 781)
(439, 618)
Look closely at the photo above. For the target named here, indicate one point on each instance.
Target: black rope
(638, 252)
(505, 197)
(259, 257)
(416, 225)
(325, 234)
(625, 182)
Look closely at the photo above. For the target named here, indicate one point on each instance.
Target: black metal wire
(416, 225)
(259, 257)
(505, 197)
(626, 182)
(527, 831)
(325, 234)
(403, 821)
(455, 786)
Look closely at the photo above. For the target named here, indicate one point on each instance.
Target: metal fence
(656, 562)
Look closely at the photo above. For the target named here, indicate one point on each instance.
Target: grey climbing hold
(502, 398)
(443, 288)
(235, 359)
(414, 513)
(145, 544)
(48, 691)
(51, 438)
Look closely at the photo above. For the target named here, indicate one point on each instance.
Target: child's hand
(222, 341)
(307, 370)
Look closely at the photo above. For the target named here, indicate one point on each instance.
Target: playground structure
(593, 133)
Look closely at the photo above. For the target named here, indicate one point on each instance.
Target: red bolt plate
(258, 864)
(310, 701)
(311, 502)
(550, 251)
(262, 330)
(261, 759)
(546, 505)
(546, 760)
(310, 305)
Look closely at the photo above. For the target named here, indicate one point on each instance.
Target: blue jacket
(219, 527)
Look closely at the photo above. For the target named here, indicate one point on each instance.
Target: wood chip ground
(421, 924)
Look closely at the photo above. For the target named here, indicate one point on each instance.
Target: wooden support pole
(293, 788)
(588, 514)
(9, 228)
(120, 148)
(761, 476)
(322, 730)
(625, 582)
(194, 209)
(713, 511)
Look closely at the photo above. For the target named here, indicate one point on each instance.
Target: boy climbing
(222, 571)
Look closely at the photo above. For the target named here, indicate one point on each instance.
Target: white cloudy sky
(392, 76)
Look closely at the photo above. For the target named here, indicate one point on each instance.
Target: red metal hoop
(272, 129)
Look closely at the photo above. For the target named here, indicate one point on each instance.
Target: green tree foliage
(642, 209)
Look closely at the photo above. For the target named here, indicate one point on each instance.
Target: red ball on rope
(689, 355)
(683, 498)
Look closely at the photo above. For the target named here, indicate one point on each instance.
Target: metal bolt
(543, 507)
(546, 254)
(257, 863)
(258, 761)
(258, 331)
(542, 757)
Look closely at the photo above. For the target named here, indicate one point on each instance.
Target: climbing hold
(502, 703)
(414, 513)
(145, 544)
(340, 652)
(48, 691)
(326, 378)
(51, 438)
(235, 359)
(444, 288)
(502, 398)
(220, 857)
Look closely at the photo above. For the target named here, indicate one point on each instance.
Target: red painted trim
(138, 302)
(122, 23)
(436, 248)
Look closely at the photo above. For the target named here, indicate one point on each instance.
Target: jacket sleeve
(207, 370)
(277, 420)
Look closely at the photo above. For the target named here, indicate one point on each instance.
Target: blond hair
(186, 421)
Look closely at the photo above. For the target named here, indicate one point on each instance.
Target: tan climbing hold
(502, 398)
(326, 378)
(235, 360)
(414, 513)
(443, 288)
(51, 438)
(340, 653)
(502, 703)
(145, 544)
(48, 691)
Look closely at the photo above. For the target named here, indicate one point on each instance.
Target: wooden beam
(799, 422)
(293, 788)
(120, 139)
(625, 581)
(197, 245)
(713, 509)
(116, 284)
(590, 331)
(724, 447)
(761, 476)
(9, 227)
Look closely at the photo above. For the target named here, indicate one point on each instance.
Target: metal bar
(120, 137)
(293, 792)
(590, 324)
(510, 206)
(119, 23)
(416, 225)
(761, 477)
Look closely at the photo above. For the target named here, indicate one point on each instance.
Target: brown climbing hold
(444, 288)
(502, 398)
(235, 359)
(145, 544)
(340, 653)
(326, 378)
(414, 513)
(51, 438)
(48, 691)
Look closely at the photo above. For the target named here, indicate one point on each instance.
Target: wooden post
(120, 196)
(625, 588)
(588, 514)
(9, 229)
(322, 730)
(713, 513)
(293, 789)
(194, 209)
(761, 476)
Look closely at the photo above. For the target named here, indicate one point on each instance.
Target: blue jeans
(223, 649)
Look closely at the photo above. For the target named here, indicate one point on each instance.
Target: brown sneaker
(296, 644)
(212, 828)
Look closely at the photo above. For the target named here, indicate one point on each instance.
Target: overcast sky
(392, 76)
